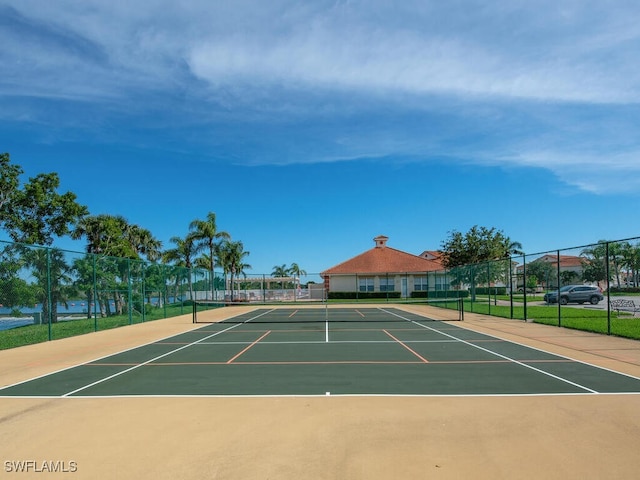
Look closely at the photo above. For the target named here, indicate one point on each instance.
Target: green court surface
(350, 351)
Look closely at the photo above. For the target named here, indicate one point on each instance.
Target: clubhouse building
(386, 269)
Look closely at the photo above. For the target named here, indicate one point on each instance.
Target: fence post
(510, 287)
(129, 291)
(606, 257)
(489, 286)
(524, 286)
(558, 275)
(143, 267)
(95, 294)
(164, 292)
(50, 309)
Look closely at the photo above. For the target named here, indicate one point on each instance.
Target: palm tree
(231, 256)
(182, 256)
(594, 263)
(280, 271)
(142, 242)
(105, 235)
(631, 261)
(616, 251)
(294, 269)
(208, 238)
(515, 248)
(54, 282)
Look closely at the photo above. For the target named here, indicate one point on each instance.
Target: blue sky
(309, 128)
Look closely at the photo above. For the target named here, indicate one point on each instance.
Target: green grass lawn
(578, 318)
(30, 334)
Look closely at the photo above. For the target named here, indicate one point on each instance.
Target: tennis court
(362, 392)
(368, 351)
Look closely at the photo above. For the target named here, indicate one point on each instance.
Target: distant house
(386, 269)
(570, 267)
(568, 263)
(432, 255)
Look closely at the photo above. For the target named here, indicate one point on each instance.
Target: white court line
(293, 342)
(326, 330)
(320, 395)
(160, 356)
(494, 353)
(173, 335)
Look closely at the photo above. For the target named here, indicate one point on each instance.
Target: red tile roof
(384, 260)
(565, 260)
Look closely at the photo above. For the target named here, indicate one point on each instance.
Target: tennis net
(431, 310)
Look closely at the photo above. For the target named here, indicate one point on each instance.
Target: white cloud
(532, 50)
(549, 52)
(491, 66)
(366, 59)
(599, 174)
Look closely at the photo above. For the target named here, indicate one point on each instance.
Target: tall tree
(9, 183)
(14, 291)
(35, 213)
(479, 245)
(114, 236)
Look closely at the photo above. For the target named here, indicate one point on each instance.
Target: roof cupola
(381, 241)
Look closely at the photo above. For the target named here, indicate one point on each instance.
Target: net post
(326, 304)
(194, 312)
(460, 309)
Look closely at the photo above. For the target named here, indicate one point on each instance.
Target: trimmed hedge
(491, 290)
(441, 294)
(624, 290)
(361, 295)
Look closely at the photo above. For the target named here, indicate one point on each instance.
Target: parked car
(576, 294)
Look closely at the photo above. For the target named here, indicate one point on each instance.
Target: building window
(365, 284)
(421, 284)
(387, 284)
(441, 282)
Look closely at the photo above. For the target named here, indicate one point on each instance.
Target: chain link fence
(48, 293)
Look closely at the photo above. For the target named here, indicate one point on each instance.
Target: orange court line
(275, 362)
(248, 347)
(294, 312)
(361, 314)
(329, 362)
(407, 347)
